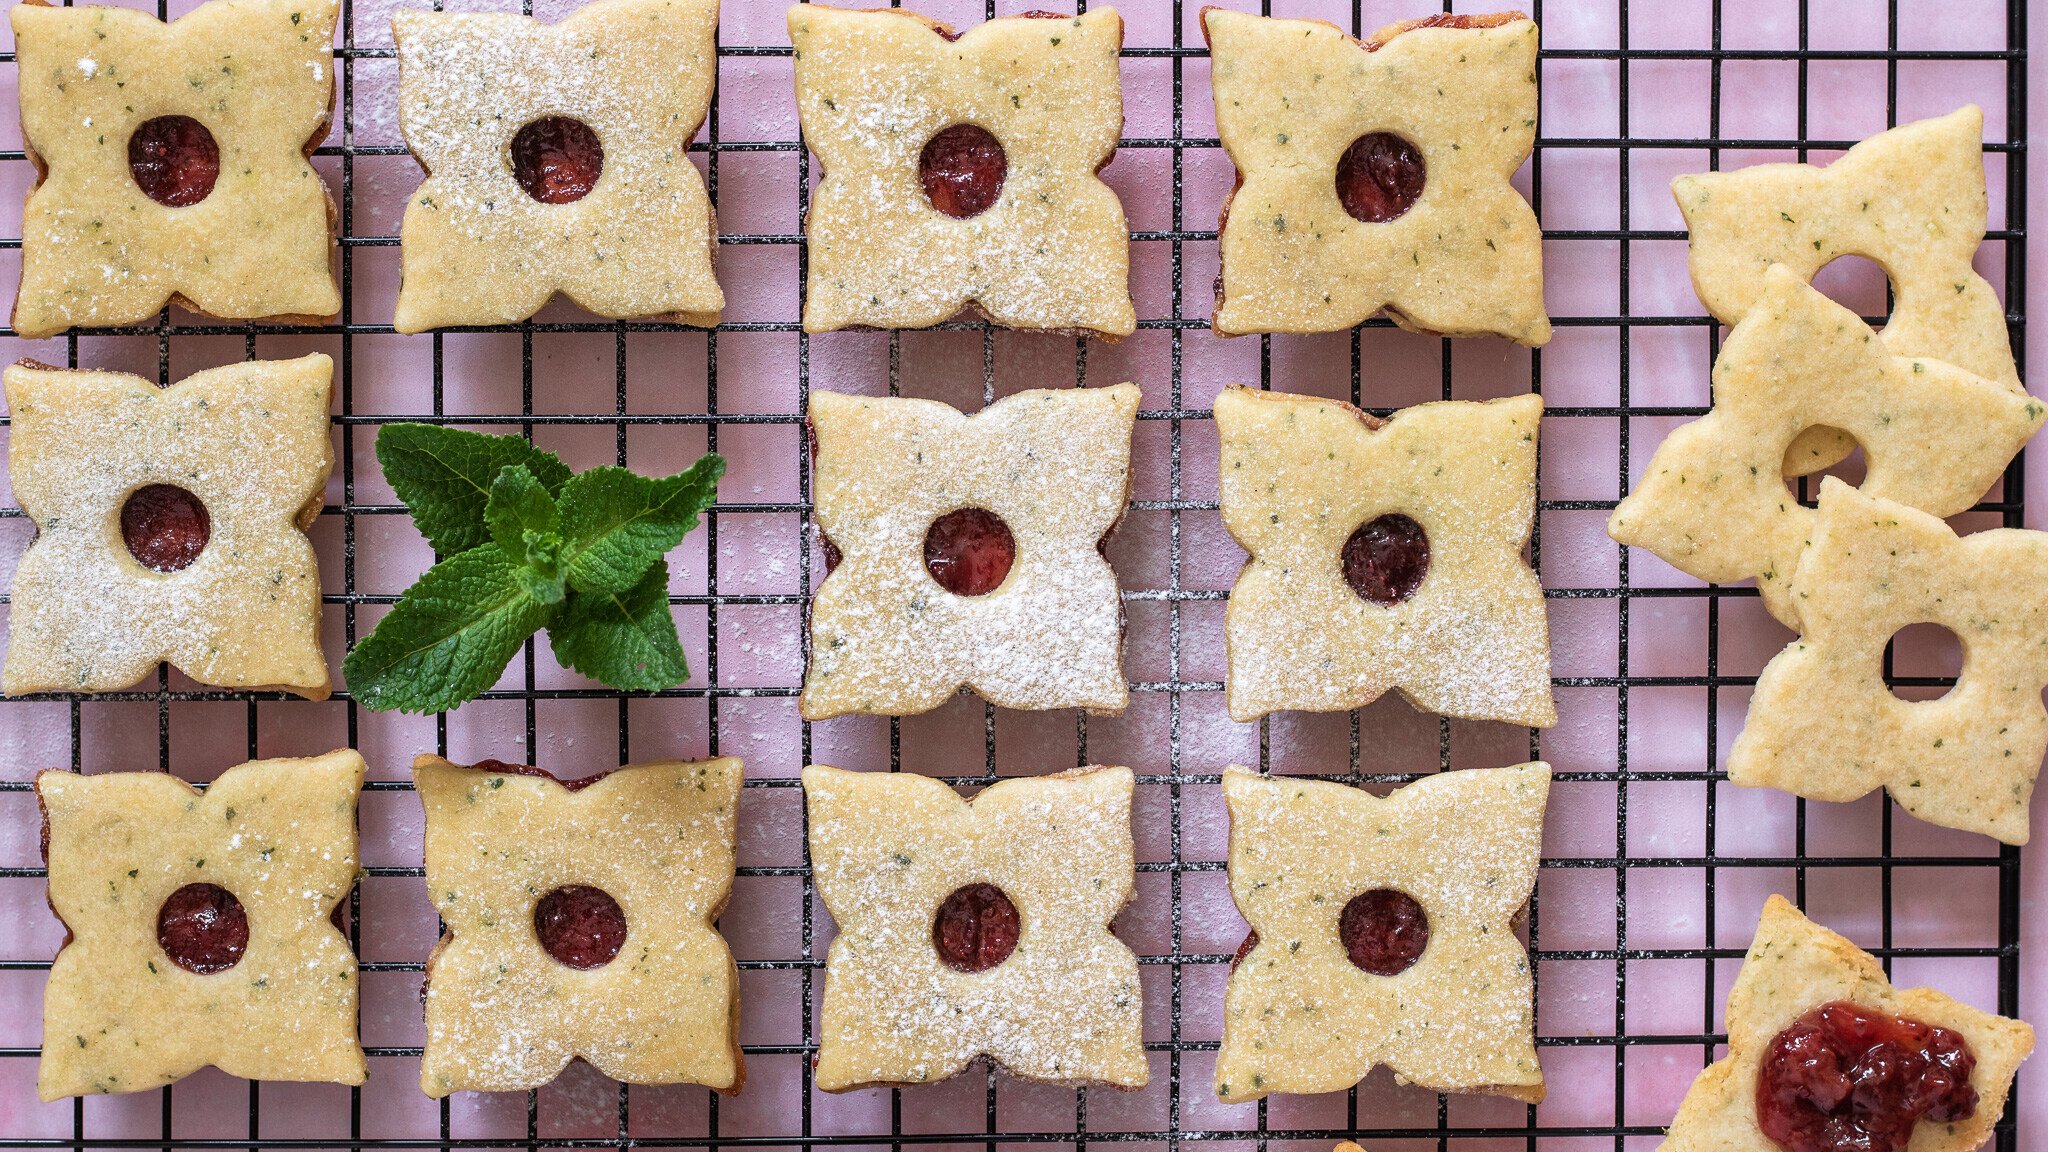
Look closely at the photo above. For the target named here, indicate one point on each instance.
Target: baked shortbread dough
(477, 248)
(1293, 95)
(251, 441)
(97, 251)
(119, 1015)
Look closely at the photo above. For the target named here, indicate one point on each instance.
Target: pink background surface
(757, 545)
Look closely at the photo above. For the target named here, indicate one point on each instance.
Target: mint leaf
(627, 641)
(444, 476)
(449, 637)
(527, 527)
(616, 524)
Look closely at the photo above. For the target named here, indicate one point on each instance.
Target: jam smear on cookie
(1387, 559)
(1380, 177)
(962, 169)
(174, 160)
(203, 928)
(165, 527)
(969, 551)
(500, 766)
(580, 926)
(1384, 931)
(557, 160)
(976, 928)
(1844, 1078)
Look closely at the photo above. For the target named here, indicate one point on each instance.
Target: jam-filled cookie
(961, 170)
(1374, 176)
(580, 923)
(173, 163)
(1382, 933)
(1824, 1054)
(969, 551)
(970, 928)
(170, 526)
(201, 926)
(1384, 554)
(557, 161)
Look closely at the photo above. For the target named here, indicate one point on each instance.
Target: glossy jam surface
(969, 551)
(557, 160)
(1384, 931)
(174, 160)
(580, 926)
(976, 928)
(962, 169)
(1387, 559)
(1379, 177)
(203, 929)
(576, 785)
(1844, 1078)
(165, 527)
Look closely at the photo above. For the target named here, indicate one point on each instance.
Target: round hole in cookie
(963, 168)
(976, 928)
(203, 928)
(1857, 283)
(1384, 931)
(174, 160)
(1925, 651)
(1822, 450)
(1387, 559)
(580, 926)
(165, 527)
(557, 159)
(1380, 177)
(969, 551)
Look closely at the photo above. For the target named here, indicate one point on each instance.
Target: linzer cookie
(1823, 1053)
(1384, 554)
(173, 163)
(1713, 501)
(580, 923)
(557, 162)
(171, 526)
(970, 551)
(960, 170)
(1374, 176)
(975, 928)
(200, 928)
(1382, 933)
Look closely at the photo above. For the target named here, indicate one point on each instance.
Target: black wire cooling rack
(1063, 1119)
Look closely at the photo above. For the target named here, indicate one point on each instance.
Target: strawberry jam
(976, 928)
(203, 928)
(557, 160)
(580, 926)
(969, 551)
(174, 160)
(1844, 1078)
(1387, 559)
(1384, 931)
(962, 169)
(1379, 177)
(165, 527)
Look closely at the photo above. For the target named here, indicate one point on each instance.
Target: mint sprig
(527, 546)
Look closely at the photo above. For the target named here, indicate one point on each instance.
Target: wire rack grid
(1652, 673)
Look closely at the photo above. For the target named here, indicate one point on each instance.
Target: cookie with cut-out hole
(557, 161)
(1713, 502)
(975, 927)
(969, 551)
(170, 526)
(172, 163)
(581, 922)
(1375, 176)
(960, 170)
(1911, 198)
(1382, 933)
(1808, 999)
(1384, 554)
(200, 926)
(1822, 724)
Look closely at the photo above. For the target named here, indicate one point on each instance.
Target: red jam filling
(557, 160)
(501, 766)
(203, 929)
(1251, 941)
(969, 551)
(962, 169)
(174, 160)
(1384, 931)
(976, 928)
(1387, 559)
(165, 527)
(1843, 1078)
(580, 926)
(949, 35)
(1379, 177)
